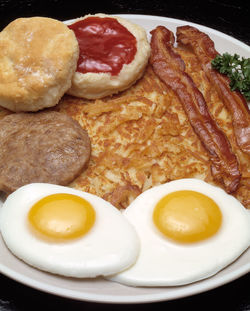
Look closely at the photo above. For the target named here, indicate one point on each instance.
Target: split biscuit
(93, 85)
(38, 57)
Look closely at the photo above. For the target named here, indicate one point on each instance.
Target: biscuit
(93, 85)
(38, 57)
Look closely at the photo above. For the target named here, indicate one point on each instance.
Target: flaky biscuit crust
(38, 57)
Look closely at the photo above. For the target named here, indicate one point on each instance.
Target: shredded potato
(142, 138)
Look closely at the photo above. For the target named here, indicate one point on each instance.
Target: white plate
(100, 290)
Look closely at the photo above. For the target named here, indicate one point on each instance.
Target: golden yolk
(187, 216)
(61, 216)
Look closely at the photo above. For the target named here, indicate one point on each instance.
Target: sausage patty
(46, 147)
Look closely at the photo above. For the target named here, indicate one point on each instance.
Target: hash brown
(142, 138)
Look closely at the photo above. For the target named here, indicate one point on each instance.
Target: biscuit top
(35, 53)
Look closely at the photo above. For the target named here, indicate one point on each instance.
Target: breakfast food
(170, 68)
(189, 230)
(204, 49)
(144, 141)
(113, 55)
(46, 146)
(38, 57)
(142, 138)
(67, 232)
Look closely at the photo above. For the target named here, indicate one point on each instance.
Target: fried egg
(67, 232)
(188, 229)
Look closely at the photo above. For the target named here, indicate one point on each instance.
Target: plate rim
(173, 20)
(187, 290)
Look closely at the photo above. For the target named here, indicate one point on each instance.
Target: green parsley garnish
(237, 69)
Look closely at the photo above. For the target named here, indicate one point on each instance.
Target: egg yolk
(187, 216)
(62, 216)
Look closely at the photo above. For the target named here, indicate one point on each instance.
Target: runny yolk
(61, 216)
(187, 216)
(105, 45)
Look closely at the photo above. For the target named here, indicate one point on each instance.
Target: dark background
(230, 17)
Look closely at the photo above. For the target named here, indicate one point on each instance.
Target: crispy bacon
(203, 48)
(170, 68)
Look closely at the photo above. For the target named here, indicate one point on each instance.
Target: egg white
(162, 262)
(110, 246)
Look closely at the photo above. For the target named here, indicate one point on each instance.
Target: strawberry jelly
(105, 45)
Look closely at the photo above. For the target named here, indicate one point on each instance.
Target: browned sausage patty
(46, 147)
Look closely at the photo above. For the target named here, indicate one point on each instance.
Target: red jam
(105, 45)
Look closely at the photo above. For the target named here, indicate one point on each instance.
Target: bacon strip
(203, 48)
(170, 68)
